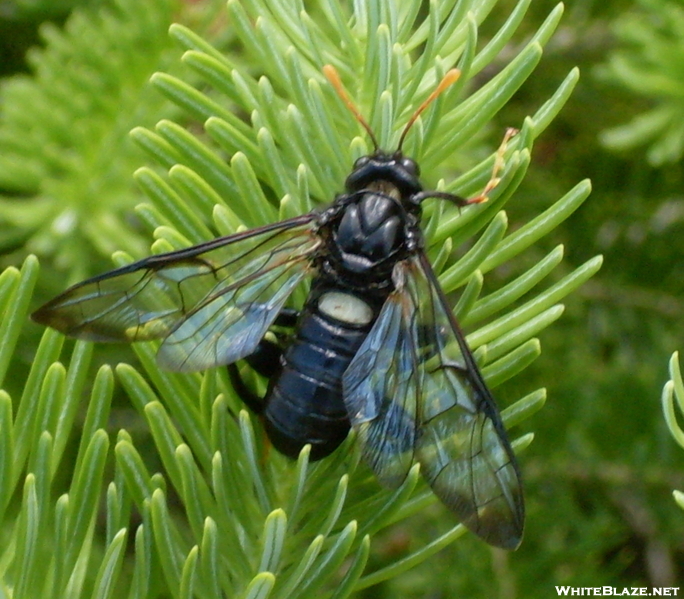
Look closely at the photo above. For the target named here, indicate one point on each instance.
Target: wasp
(375, 347)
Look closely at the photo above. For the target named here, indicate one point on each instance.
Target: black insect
(375, 347)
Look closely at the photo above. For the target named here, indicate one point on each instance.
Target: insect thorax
(370, 234)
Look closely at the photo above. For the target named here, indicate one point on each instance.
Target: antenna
(331, 73)
(333, 76)
(449, 78)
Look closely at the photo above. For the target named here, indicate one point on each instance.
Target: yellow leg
(498, 165)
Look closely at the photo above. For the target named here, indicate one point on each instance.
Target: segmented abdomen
(305, 402)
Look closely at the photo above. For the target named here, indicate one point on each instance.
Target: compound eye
(410, 166)
(361, 162)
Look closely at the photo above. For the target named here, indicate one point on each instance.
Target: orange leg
(498, 165)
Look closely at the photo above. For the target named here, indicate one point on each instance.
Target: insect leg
(498, 165)
(264, 361)
(287, 318)
(491, 184)
(249, 398)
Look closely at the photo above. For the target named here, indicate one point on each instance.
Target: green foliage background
(601, 470)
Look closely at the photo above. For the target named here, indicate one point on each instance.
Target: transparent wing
(381, 387)
(413, 391)
(212, 302)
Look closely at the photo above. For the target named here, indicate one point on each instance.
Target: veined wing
(381, 388)
(212, 302)
(422, 397)
(385, 383)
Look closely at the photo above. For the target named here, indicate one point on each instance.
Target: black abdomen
(305, 403)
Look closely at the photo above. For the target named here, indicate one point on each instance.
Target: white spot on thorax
(345, 307)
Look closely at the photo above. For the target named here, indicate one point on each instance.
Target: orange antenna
(331, 73)
(450, 78)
